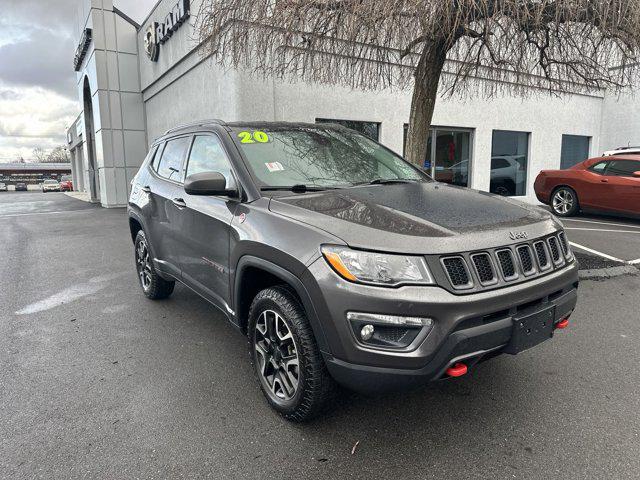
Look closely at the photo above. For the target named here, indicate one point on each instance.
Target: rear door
(624, 187)
(163, 188)
(204, 232)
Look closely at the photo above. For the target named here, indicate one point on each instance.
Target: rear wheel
(153, 285)
(564, 202)
(286, 357)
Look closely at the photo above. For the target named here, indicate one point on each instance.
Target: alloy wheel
(276, 355)
(143, 264)
(563, 201)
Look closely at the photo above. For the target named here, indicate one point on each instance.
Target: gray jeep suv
(340, 261)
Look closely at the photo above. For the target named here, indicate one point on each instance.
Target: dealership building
(137, 81)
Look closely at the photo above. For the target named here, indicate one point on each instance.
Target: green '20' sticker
(253, 137)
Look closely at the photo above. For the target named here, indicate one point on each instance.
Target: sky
(38, 97)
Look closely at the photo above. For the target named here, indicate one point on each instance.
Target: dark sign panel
(82, 48)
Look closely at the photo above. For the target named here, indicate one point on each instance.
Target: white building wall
(620, 120)
(136, 100)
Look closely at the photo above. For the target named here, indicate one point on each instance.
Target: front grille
(564, 244)
(484, 268)
(508, 265)
(457, 271)
(526, 260)
(555, 250)
(505, 259)
(541, 254)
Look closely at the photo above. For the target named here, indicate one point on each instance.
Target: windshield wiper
(298, 188)
(386, 181)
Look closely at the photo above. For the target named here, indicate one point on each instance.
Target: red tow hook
(457, 370)
(564, 323)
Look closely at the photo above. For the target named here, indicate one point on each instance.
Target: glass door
(449, 155)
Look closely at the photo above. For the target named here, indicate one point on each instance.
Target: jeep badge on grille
(518, 235)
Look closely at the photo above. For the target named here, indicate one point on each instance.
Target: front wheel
(286, 357)
(153, 285)
(564, 202)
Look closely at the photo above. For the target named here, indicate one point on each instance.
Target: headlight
(377, 268)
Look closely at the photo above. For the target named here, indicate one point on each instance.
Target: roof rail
(197, 123)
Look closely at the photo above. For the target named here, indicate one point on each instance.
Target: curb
(611, 272)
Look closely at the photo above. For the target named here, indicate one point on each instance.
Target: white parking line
(637, 232)
(635, 262)
(42, 213)
(596, 252)
(603, 223)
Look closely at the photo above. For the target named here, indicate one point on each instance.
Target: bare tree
(455, 45)
(58, 155)
(39, 154)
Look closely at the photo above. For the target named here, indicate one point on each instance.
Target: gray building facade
(136, 81)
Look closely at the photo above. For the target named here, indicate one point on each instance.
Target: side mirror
(636, 174)
(207, 183)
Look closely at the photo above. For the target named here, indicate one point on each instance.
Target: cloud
(38, 96)
(32, 117)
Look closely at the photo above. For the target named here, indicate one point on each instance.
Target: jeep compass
(341, 262)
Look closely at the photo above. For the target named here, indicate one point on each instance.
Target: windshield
(50, 181)
(284, 156)
(65, 178)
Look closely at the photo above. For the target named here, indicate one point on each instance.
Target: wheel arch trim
(249, 261)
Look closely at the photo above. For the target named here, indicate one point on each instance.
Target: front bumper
(473, 327)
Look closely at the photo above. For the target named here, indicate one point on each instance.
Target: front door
(204, 234)
(623, 187)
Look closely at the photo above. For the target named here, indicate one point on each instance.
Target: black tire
(153, 285)
(314, 386)
(564, 202)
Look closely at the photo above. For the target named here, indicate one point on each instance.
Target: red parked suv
(608, 184)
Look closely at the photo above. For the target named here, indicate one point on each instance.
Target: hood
(417, 217)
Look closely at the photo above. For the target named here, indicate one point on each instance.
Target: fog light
(367, 332)
(388, 331)
(389, 319)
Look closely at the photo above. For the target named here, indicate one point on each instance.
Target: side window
(170, 164)
(499, 163)
(207, 155)
(599, 167)
(623, 168)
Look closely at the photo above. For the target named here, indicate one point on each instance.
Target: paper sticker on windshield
(253, 137)
(274, 166)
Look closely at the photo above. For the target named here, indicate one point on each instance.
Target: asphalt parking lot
(615, 239)
(98, 382)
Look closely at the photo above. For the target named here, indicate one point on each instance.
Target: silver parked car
(3, 187)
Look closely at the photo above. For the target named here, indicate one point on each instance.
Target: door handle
(146, 189)
(179, 203)
(604, 180)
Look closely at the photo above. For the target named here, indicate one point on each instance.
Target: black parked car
(21, 186)
(340, 261)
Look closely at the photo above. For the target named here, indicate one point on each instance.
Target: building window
(575, 149)
(448, 154)
(369, 129)
(509, 163)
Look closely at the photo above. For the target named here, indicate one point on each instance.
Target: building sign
(159, 32)
(82, 48)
